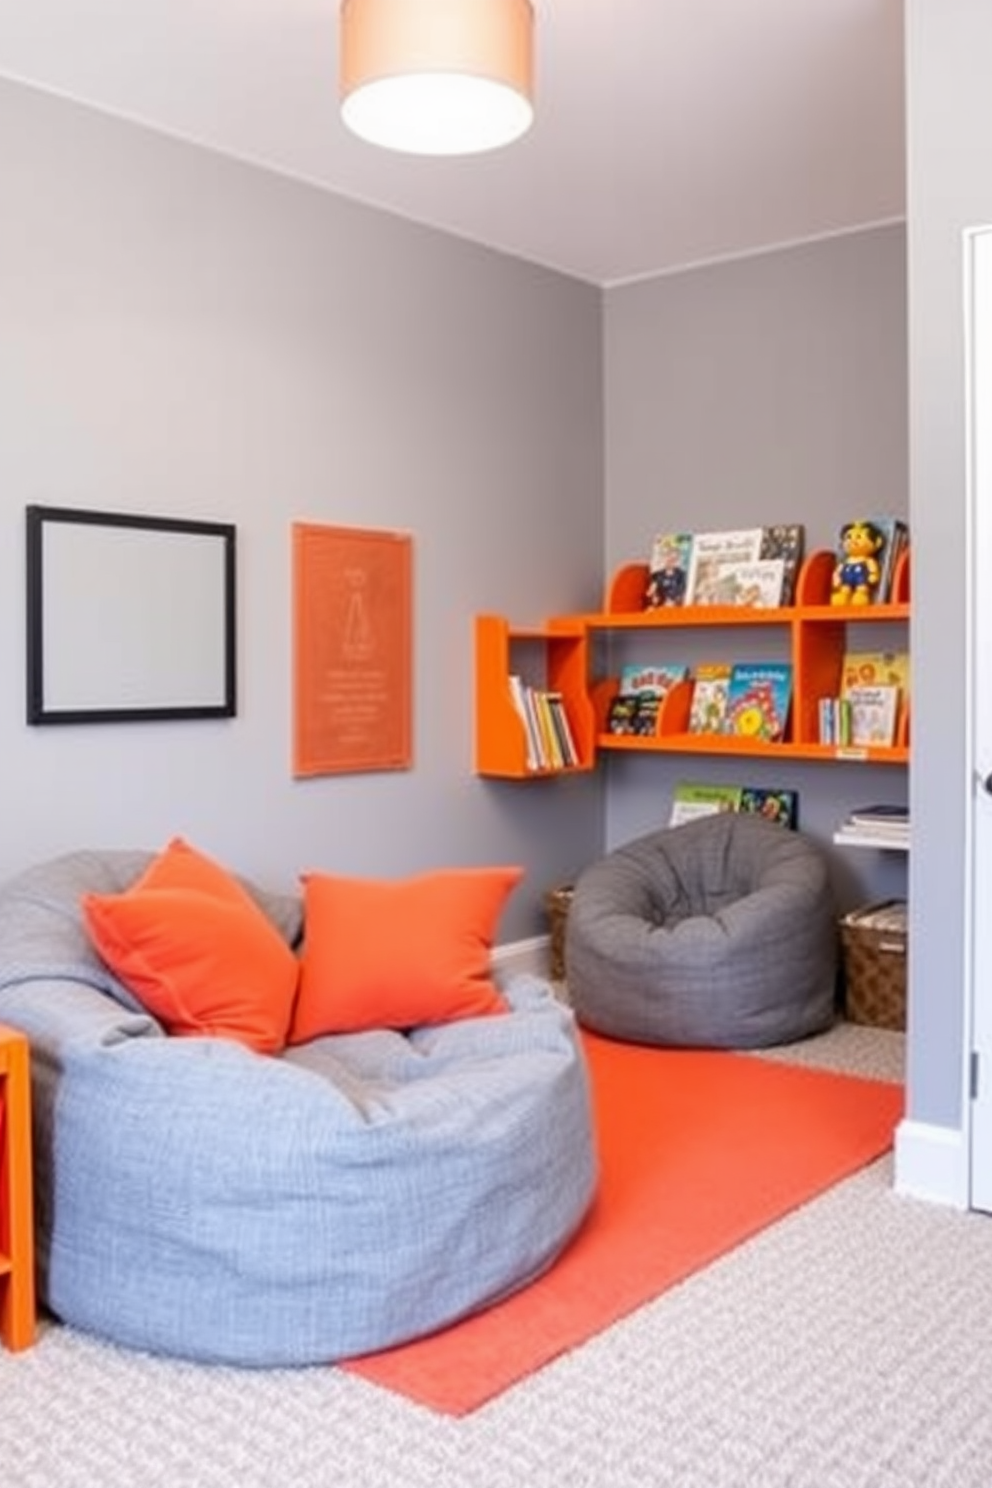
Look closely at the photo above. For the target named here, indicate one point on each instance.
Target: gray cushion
(719, 933)
(198, 1199)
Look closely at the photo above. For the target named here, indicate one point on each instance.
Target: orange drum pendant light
(437, 77)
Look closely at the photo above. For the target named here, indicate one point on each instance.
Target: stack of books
(876, 826)
(547, 731)
(873, 705)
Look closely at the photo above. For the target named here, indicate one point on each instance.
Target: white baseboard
(932, 1163)
(533, 955)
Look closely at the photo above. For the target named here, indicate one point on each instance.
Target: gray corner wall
(949, 44)
(184, 335)
(743, 393)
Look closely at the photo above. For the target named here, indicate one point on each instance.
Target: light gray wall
(949, 43)
(766, 389)
(184, 335)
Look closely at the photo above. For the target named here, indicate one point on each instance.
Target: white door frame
(977, 1102)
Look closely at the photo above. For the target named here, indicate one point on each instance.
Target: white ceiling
(668, 132)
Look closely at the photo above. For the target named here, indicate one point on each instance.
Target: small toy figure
(856, 574)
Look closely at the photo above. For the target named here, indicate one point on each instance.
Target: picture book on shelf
(872, 668)
(896, 534)
(690, 801)
(709, 551)
(668, 569)
(758, 698)
(757, 585)
(787, 541)
(563, 729)
(878, 669)
(657, 679)
(645, 720)
(774, 804)
(642, 688)
(523, 703)
(708, 708)
(622, 713)
(873, 714)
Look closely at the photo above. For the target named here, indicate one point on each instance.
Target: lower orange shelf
(897, 754)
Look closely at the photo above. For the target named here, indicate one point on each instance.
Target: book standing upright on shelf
(622, 713)
(758, 698)
(657, 679)
(642, 689)
(668, 570)
(879, 669)
(521, 701)
(755, 585)
(549, 741)
(896, 533)
(873, 714)
(708, 708)
(690, 801)
(709, 551)
(786, 541)
(774, 804)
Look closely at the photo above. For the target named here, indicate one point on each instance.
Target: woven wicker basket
(874, 973)
(557, 904)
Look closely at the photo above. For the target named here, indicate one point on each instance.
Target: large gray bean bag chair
(198, 1199)
(718, 933)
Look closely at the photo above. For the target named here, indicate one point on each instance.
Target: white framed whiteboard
(129, 617)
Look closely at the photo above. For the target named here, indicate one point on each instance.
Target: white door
(978, 302)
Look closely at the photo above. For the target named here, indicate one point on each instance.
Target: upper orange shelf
(624, 602)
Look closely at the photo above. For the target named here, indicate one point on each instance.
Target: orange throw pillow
(197, 952)
(398, 954)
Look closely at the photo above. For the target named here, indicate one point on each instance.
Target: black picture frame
(130, 618)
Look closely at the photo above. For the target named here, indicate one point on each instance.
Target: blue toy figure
(857, 571)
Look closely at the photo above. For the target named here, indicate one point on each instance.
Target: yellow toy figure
(856, 574)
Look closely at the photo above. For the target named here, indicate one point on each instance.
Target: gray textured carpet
(849, 1346)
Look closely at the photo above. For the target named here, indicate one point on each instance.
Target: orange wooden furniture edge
(17, 1299)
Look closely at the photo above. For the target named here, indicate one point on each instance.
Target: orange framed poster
(352, 650)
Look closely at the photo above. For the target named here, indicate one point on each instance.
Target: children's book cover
(622, 713)
(709, 550)
(646, 714)
(756, 585)
(758, 699)
(658, 680)
(690, 801)
(878, 669)
(708, 709)
(772, 803)
(875, 669)
(873, 714)
(668, 570)
(787, 541)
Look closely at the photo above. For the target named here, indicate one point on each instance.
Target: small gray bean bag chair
(198, 1199)
(718, 933)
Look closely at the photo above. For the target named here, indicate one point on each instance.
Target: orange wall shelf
(815, 636)
(558, 654)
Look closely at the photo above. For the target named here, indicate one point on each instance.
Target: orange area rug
(698, 1151)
